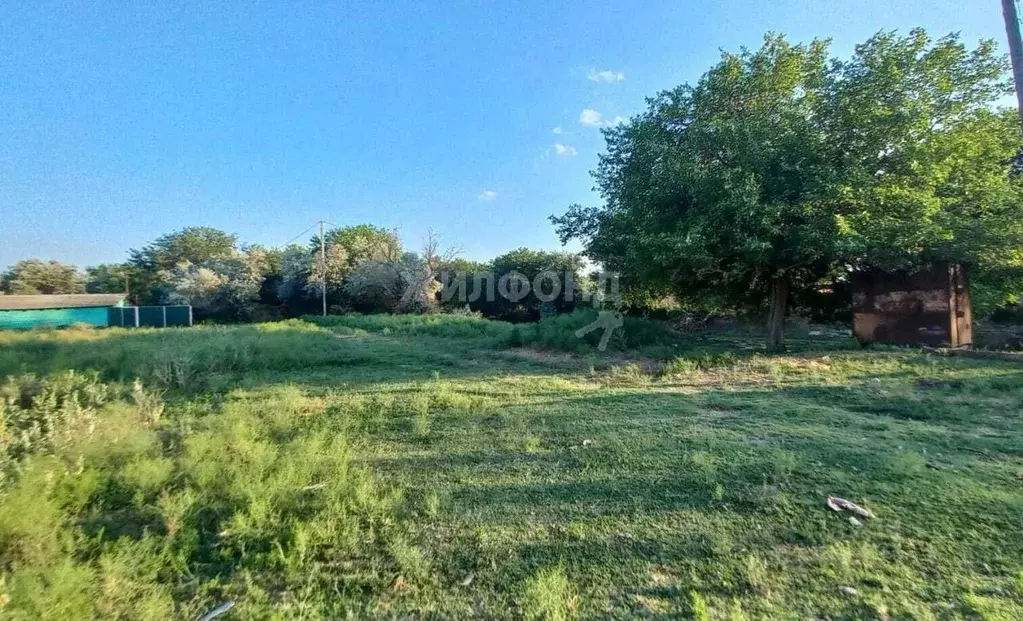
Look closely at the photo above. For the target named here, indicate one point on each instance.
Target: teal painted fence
(151, 316)
(99, 316)
(123, 316)
(179, 316)
(52, 317)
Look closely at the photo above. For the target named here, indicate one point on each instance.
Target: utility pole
(323, 269)
(1011, 15)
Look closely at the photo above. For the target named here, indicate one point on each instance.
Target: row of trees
(364, 269)
(764, 185)
(783, 169)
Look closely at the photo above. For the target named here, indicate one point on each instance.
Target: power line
(323, 259)
(313, 226)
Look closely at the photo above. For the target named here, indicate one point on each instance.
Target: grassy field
(452, 467)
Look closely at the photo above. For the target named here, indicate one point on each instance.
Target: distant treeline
(365, 269)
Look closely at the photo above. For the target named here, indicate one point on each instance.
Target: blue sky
(121, 123)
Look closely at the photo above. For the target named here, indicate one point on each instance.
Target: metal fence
(150, 316)
(931, 306)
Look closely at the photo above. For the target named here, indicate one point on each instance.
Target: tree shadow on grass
(682, 458)
(513, 487)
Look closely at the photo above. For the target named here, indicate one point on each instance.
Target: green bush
(529, 264)
(440, 325)
(559, 332)
(36, 414)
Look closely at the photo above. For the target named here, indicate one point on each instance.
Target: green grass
(388, 467)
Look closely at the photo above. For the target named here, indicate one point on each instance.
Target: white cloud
(557, 131)
(564, 150)
(488, 195)
(591, 117)
(605, 76)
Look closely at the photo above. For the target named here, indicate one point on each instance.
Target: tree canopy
(33, 277)
(107, 278)
(360, 242)
(150, 265)
(193, 244)
(926, 160)
(781, 167)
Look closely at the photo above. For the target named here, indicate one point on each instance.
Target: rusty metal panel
(930, 306)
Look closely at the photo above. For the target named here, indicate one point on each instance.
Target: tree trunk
(776, 318)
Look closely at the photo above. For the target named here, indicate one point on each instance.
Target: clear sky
(120, 123)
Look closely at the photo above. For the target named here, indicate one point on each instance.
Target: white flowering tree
(225, 286)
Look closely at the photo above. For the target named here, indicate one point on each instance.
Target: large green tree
(720, 187)
(107, 278)
(32, 277)
(782, 167)
(565, 266)
(925, 157)
(223, 288)
(479, 285)
(193, 245)
(361, 242)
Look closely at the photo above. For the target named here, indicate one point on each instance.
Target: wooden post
(1011, 16)
(323, 269)
(953, 307)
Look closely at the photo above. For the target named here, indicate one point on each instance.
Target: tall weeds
(116, 505)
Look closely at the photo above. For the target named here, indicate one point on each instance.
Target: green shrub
(559, 332)
(438, 325)
(515, 337)
(38, 413)
(682, 365)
